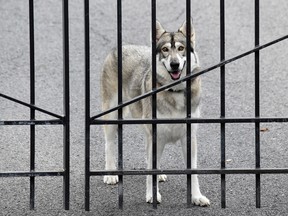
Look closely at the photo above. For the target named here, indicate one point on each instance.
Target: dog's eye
(180, 48)
(165, 49)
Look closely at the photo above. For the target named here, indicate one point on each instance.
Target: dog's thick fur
(137, 72)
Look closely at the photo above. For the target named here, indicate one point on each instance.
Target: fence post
(257, 103)
(87, 104)
(222, 98)
(120, 113)
(66, 123)
(32, 102)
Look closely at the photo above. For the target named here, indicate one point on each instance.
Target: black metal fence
(222, 120)
(95, 120)
(57, 119)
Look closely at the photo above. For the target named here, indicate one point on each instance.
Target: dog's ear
(183, 30)
(159, 31)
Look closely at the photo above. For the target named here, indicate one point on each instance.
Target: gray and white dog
(137, 79)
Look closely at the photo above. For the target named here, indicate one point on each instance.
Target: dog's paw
(149, 198)
(162, 178)
(200, 201)
(111, 180)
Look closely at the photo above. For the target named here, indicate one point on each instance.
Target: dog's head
(172, 48)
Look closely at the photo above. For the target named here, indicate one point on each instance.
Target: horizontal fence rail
(223, 120)
(31, 174)
(190, 121)
(32, 122)
(63, 120)
(193, 171)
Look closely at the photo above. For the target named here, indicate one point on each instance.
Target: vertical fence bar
(87, 103)
(257, 103)
(154, 103)
(188, 99)
(120, 114)
(222, 90)
(66, 124)
(32, 102)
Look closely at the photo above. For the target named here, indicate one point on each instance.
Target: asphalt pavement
(240, 141)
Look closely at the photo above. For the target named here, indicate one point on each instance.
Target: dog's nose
(174, 65)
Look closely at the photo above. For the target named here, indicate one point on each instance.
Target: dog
(137, 79)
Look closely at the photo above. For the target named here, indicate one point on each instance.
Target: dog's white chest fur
(175, 108)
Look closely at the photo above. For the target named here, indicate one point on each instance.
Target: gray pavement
(14, 81)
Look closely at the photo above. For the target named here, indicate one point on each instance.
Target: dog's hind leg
(110, 155)
(197, 197)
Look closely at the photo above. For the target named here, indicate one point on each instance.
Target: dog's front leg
(149, 190)
(197, 197)
(110, 133)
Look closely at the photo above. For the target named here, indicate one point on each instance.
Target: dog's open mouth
(175, 75)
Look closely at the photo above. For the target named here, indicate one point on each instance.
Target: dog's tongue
(175, 75)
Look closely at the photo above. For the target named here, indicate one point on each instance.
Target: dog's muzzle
(175, 73)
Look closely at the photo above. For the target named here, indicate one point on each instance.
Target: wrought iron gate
(222, 120)
(56, 119)
(95, 120)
